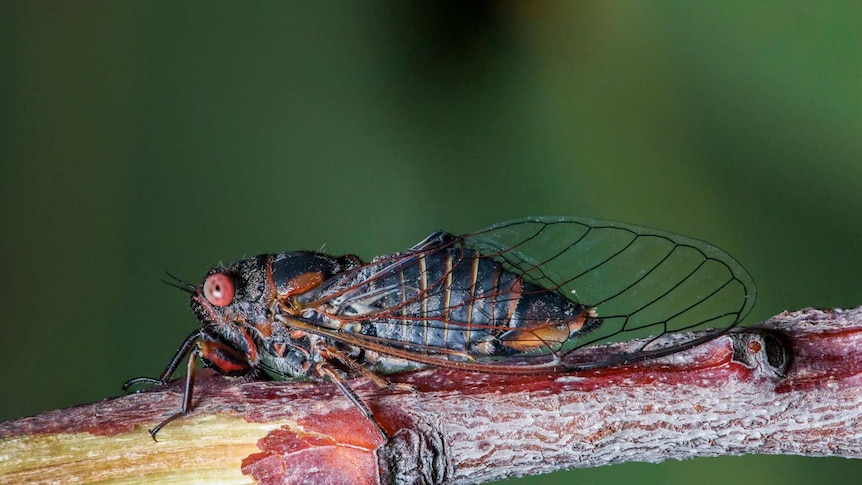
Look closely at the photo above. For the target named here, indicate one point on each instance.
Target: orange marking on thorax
(264, 329)
(302, 283)
(298, 285)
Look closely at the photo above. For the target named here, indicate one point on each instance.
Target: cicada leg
(223, 358)
(326, 370)
(178, 357)
(187, 395)
(329, 352)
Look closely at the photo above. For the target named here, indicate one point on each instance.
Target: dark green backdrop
(139, 137)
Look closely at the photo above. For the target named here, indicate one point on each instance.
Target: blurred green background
(140, 137)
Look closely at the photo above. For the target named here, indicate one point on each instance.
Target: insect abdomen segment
(454, 299)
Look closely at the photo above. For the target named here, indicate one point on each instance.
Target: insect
(533, 295)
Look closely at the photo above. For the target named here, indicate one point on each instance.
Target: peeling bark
(790, 386)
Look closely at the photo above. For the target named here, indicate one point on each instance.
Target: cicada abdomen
(443, 300)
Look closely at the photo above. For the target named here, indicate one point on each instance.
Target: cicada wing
(641, 282)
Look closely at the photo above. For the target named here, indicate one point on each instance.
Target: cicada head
(237, 295)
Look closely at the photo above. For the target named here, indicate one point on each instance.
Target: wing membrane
(642, 283)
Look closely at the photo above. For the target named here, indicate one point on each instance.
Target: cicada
(533, 295)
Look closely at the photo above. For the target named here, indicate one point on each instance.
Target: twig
(792, 386)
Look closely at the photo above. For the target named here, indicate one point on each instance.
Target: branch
(791, 386)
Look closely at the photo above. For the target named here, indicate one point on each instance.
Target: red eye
(218, 289)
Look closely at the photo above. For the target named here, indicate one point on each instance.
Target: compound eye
(218, 289)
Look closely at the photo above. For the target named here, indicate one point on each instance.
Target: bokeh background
(150, 136)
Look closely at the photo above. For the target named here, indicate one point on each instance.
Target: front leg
(215, 354)
(178, 357)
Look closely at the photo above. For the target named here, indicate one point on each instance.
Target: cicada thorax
(279, 349)
(448, 299)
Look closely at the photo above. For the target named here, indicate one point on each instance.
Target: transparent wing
(641, 282)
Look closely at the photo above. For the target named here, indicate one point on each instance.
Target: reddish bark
(791, 387)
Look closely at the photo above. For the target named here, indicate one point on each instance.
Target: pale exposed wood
(726, 397)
